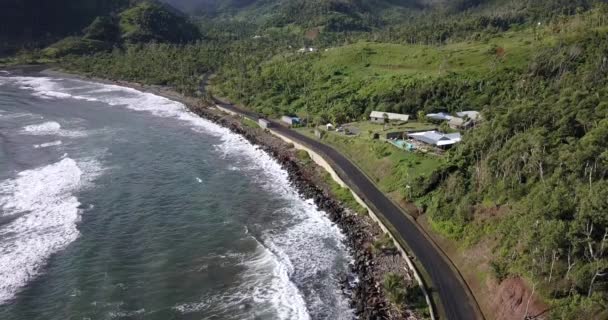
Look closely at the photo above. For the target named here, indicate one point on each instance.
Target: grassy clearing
(249, 123)
(390, 168)
(367, 127)
(364, 59)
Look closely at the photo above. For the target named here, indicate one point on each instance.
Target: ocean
(119, 204)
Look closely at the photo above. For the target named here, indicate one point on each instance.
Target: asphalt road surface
(455, 298)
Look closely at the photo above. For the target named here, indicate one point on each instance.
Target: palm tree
(395, 288)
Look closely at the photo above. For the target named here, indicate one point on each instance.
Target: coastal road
(456, 299)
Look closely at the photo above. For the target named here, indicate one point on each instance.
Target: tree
(421, 116)
(385, 120)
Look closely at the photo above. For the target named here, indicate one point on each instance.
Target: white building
(437, 139)
(379, 116)
(472, 115)
(441, 116)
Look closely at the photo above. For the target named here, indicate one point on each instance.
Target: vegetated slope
(344, 83)
(150, 21)
(442, 17)
(530, 182)
(532, 178)
(330, 15)
(144, 22)
(32, 22)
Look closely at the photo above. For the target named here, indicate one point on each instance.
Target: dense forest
(531, 179)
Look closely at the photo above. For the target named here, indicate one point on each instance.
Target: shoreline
(366, 296)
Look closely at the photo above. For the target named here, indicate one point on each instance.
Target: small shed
(441, 116)
(379, 116)
(290, 120)
(471, 115)
(458, 123)
(265, 124)
(329, 127)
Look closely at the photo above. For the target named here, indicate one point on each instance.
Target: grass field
(364, 59)
(392, 169)
(366, 127)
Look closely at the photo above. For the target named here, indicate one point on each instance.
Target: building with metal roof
(441, 116)
(378, 116)
(472, 115)
(291, 120)
(436, 138)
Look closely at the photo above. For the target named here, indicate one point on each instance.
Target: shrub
(395, 288)
(303, 155)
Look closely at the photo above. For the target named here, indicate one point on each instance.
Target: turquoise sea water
(118, 204)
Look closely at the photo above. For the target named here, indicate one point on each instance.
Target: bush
(384, 244)
(303, 156)
(499, 270)
(75, 46)
(395, 288)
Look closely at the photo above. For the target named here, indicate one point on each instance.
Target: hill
(144, 22)
(523, 197)
(525, 194)
(32, 23)
(150, 21)
(35, 23)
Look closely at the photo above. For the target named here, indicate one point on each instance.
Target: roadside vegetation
(392, 169)
(344, 195)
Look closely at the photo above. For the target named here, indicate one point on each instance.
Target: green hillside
(33, 22)
(149, 21)
(531, 180)
(528, 184)
(144, 22)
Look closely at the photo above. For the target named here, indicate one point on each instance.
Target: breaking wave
(50, 127)
(48, 144)
(44, 214)
(290, 260)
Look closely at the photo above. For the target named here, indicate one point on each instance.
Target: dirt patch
(312, 34)
(513, 301)
(483, 213)
(410, 208)
(507, 300)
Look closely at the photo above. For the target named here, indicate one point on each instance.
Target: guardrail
(322, 162)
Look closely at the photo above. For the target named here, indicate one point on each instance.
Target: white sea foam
(280, 290)
(48, 144)
(265, 286)
(48, 127)
(125, 314)
(117, 96)
(46, 211)
(47, 88)
(295, 254)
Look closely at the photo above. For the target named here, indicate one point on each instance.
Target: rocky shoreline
(366, 294)
(368, 299)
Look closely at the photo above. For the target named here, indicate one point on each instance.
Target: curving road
(456, 299)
